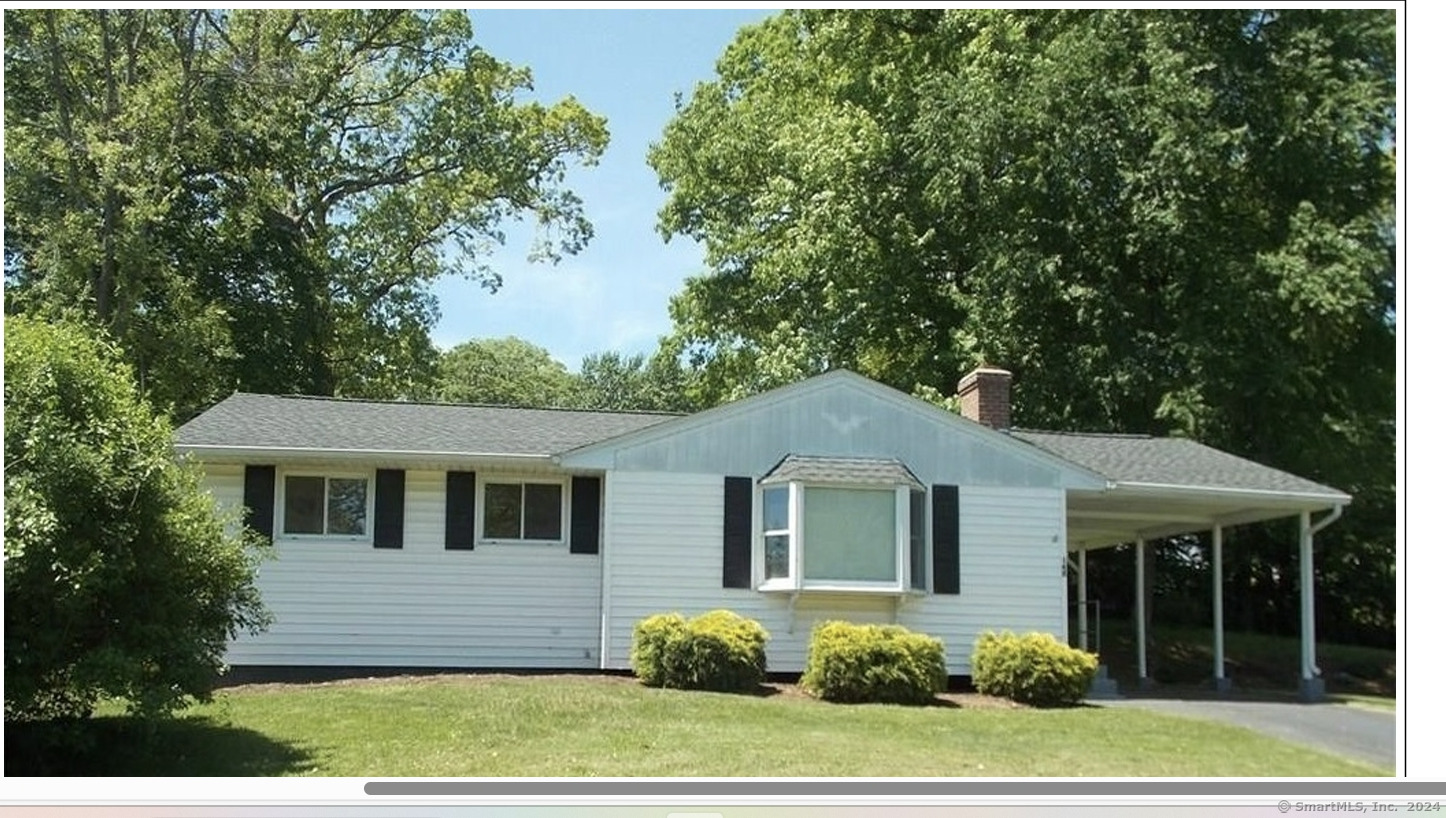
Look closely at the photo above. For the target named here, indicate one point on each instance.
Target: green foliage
(120, 579)
(1162, 221)
(657, 383)
(653, 641)
(718, 650)
(513, 372)
(261, 199)
(505, 372)
(1034, 669)
(873, 663)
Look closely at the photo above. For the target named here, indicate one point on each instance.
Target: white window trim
(564, 524)
(796, 582)
(278, 521)
(926, 541)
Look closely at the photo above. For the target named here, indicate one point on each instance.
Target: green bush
(1034, 669)
(718, 650)
(120, 578)
(651, 640)
(873, 663)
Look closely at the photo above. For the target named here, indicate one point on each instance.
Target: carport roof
(1171, 462)
(1163, 487)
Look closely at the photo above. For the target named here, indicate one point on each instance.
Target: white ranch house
(428, 535)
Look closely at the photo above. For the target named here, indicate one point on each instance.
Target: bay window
(842, 524)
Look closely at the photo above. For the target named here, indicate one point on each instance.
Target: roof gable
(837, 414)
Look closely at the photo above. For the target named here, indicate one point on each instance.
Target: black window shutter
(391, 495)
(737, 532)
(586, 515)
(461, 509)
(259, 495)
(946, 539)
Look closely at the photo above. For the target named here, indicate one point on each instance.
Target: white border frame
(278, 515)
(480, 518)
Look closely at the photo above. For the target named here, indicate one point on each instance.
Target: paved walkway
(1354, 732)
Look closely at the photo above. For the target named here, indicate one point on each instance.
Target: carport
(1165, 487)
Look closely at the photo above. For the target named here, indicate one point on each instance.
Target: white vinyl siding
(665, 552)
(1011, 552)
(664, 547)
(421, 605)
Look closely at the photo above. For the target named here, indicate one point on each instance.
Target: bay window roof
(852, 471)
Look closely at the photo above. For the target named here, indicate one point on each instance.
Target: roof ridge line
(382, 402)
(1123, 435)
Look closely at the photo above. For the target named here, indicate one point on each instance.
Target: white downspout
(1308, 668)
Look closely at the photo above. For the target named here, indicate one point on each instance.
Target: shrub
(652, 638)
(718, 650)
(1034, 669)
(120, 579)
(873, 663)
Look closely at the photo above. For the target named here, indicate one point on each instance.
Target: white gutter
(1176, 490)
(1327, 520)
(211, 448)
(292, 454)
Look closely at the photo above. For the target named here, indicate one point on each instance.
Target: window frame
(798, 582)
(795, 525)
(564, 510)
(327, 475)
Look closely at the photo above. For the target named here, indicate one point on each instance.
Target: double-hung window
(326, 505)
(777, 533)
(522, 511)
(843, 524)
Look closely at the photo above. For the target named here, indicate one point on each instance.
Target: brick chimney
(984, 396)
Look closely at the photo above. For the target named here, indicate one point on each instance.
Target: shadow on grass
(125, 746)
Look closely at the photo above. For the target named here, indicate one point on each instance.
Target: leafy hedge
(873, 663)
(718, 650)
(1034, 669)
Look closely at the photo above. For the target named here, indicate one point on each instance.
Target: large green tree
(260, 199)
(505, 372)
(611, 381)
(1176, 222)
(120, 578)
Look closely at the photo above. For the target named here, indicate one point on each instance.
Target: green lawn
(610, 726)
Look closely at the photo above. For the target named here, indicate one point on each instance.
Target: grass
(1360, 700)
(494, 725)
(1185, 656)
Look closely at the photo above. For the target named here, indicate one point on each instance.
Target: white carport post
(1140, 634)
(1222, 684)
(1081, 609)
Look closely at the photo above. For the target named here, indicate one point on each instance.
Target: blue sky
(625, 65)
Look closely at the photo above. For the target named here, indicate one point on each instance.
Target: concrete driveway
(1354, 732)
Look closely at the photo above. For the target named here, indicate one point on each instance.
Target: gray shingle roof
(293, 422)
(841, 470)
(1170, 461)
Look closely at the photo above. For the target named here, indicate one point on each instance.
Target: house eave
(1261, 497)
(214, 453)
